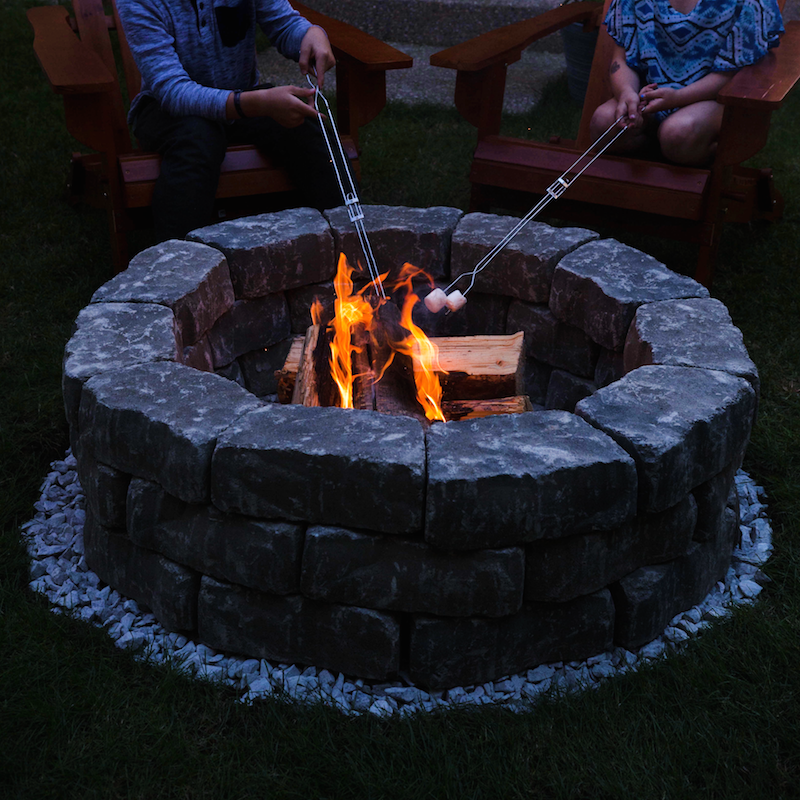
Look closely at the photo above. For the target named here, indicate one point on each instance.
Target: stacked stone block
(370, 544)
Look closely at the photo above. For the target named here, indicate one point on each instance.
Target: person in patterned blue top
(669, 63)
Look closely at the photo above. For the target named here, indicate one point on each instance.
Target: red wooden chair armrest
(505, 45)
(355, 44)
(765, 85)
(70, 66)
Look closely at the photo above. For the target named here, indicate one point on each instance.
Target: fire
(350, 312)
(424, 353)
(355, 317)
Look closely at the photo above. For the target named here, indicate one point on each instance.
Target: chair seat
(624, 183)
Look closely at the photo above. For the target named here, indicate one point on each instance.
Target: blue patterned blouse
(673, 49)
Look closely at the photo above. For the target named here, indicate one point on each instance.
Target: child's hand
(628, 104)
(316, 54)
(655, 98)
(287, 105)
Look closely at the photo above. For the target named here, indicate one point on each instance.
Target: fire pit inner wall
(363, 543)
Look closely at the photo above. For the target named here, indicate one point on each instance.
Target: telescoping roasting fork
(454, 299)
(347, 186)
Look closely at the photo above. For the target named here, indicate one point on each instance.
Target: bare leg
(689, 136)
(603, 118)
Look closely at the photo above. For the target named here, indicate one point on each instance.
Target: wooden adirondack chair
(118, 176)
(649, 195)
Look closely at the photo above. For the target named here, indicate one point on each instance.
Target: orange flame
(424, 353)
(350, 311)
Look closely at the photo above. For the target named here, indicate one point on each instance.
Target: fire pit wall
(362, 543)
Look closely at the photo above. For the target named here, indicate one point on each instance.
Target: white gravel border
(54, 539)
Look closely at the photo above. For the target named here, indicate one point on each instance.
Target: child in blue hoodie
(201, 92)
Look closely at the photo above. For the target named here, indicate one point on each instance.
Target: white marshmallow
(436, 301)
(456, 300)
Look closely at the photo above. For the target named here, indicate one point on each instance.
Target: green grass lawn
(80, 719)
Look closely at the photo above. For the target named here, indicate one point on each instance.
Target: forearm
(623, 79)
(707, 88)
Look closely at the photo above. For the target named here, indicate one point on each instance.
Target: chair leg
(707, 258)
(118, 231)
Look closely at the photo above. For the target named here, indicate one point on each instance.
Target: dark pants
(192, 149)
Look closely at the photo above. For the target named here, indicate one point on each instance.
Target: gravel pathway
(54, 538)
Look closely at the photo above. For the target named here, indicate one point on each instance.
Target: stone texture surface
(301, 299)
(681, 426)
(293, 629)
(248, 325)
(398, 234)
(191, 278)
(113, 335)
(259, 367)
(106, 491)
(537, 378)
(457, 652)
(387, 572)
(335, 466)
(160, 422)
(712, 499)
(524, 267)
(263, 555)
(483, 314)
(561, 569)
(199, 355)
(565, 390)
(552, 341)
(695, 332)
(648, 598)
(599, 286)
(610, 367)
(270, 253)
(168, 589)
(502, 480)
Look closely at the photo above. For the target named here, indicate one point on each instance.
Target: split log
(474, 409)
(478, 367)
(305, 391)
(287, 375)
(481, 367)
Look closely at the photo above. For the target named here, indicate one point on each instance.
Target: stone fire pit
(367, 544)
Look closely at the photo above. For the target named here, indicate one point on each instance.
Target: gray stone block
(599, 286)
(334, 466)
(458, 652)
(565, 390)
(712, 499)
(259, 367)
(610, 367)
(233, 373)
(199, 355)
(168, 589)
(537, 377)
(190, 278)
(301, 299)
(419, 236)
(681, 426)
(270, 253)
(502, 480)
(695, 332)
(106, 490)
(561, 569)
(263, 555)
(248, 325)
(161, 422)
(109, 336)
(648, 598)
(293, 629)
(386, 572)
(552, 341)
(483, 314)
(524, 267)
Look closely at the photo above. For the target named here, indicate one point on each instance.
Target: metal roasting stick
(553, 192)
(344, 177)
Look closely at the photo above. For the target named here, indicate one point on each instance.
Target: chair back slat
(133, 80)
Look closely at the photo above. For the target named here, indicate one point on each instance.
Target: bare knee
(689, 137)
(603, 117)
